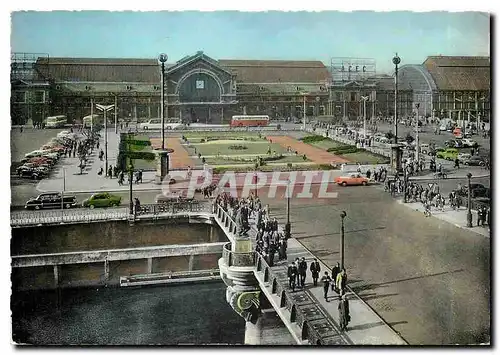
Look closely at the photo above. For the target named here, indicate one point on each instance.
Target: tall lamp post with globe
(396, 155)
(162, 154)
(162, 58)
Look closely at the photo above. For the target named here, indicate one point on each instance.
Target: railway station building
(199, 88)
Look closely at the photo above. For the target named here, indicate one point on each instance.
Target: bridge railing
(80, 215)
(224, 217)
(174, 207)
(309, 318)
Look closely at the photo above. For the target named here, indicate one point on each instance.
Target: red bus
(249, 121)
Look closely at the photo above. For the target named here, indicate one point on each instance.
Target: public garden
(242, 151)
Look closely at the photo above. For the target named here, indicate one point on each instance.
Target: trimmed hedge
(344, 149)
(267, 168)
(313, 139)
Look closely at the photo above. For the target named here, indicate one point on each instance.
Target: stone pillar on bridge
(396, 157)
(162, 165)
(243, 293)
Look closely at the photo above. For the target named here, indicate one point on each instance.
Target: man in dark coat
(326, 284)
(283, 246)
(303, 272)
(315, 270)
(335, 272)
(292, 272)
(344, 315)
(297, 276)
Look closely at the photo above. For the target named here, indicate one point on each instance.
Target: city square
(386, 173)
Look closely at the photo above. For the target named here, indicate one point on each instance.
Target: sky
(253, 35)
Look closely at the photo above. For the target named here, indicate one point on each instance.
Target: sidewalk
(457, 218)
(365, 327)
(89, 181)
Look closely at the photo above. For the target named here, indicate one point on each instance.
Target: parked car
(463, 156)
(425, 148)
(31, 173)
(448, 154)
(474, 161)
(173, 196)
(351, 179)
(477, 190)
(155, 123)
(467, 142)
(50, 200)
(454, 143)
(102, 199)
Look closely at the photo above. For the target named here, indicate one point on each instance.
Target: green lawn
(327, 143)
(204, 134)
(214, 148)
(284, 160)
(365, 158)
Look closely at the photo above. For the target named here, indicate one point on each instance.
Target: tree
(409, 138)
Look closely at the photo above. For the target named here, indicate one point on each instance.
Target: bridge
(83, 215)
(309, 319)
(254, 288)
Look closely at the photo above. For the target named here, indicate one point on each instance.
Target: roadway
(427, 278)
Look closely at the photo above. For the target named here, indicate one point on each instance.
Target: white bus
(56, 121)
(155, 124)
(90, 120)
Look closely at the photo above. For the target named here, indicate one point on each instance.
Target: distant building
(450, 87)
(198, 88)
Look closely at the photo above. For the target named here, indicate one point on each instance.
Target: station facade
(199, 88)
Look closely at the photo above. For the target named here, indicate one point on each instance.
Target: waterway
(110, 235)
(163, 315)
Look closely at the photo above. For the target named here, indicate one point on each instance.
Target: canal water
(162, 315)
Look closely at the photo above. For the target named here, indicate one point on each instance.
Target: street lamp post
(469, 213)
(417, 146)
(63, 189)
(396, 60)
(288, 225)
(116, 115)
(342, 216)
(162, 58)
(405, 183)
(364, 98)
(130, 178)
(105, 109)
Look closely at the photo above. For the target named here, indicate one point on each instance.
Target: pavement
(456, 217)
(428, 279)
(366, 326)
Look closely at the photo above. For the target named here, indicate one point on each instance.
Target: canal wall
(98, 254)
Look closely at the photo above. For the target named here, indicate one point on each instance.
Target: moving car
(352, 179)
(50, 200)
(448, 154)
(457, 132)
(102, 199)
